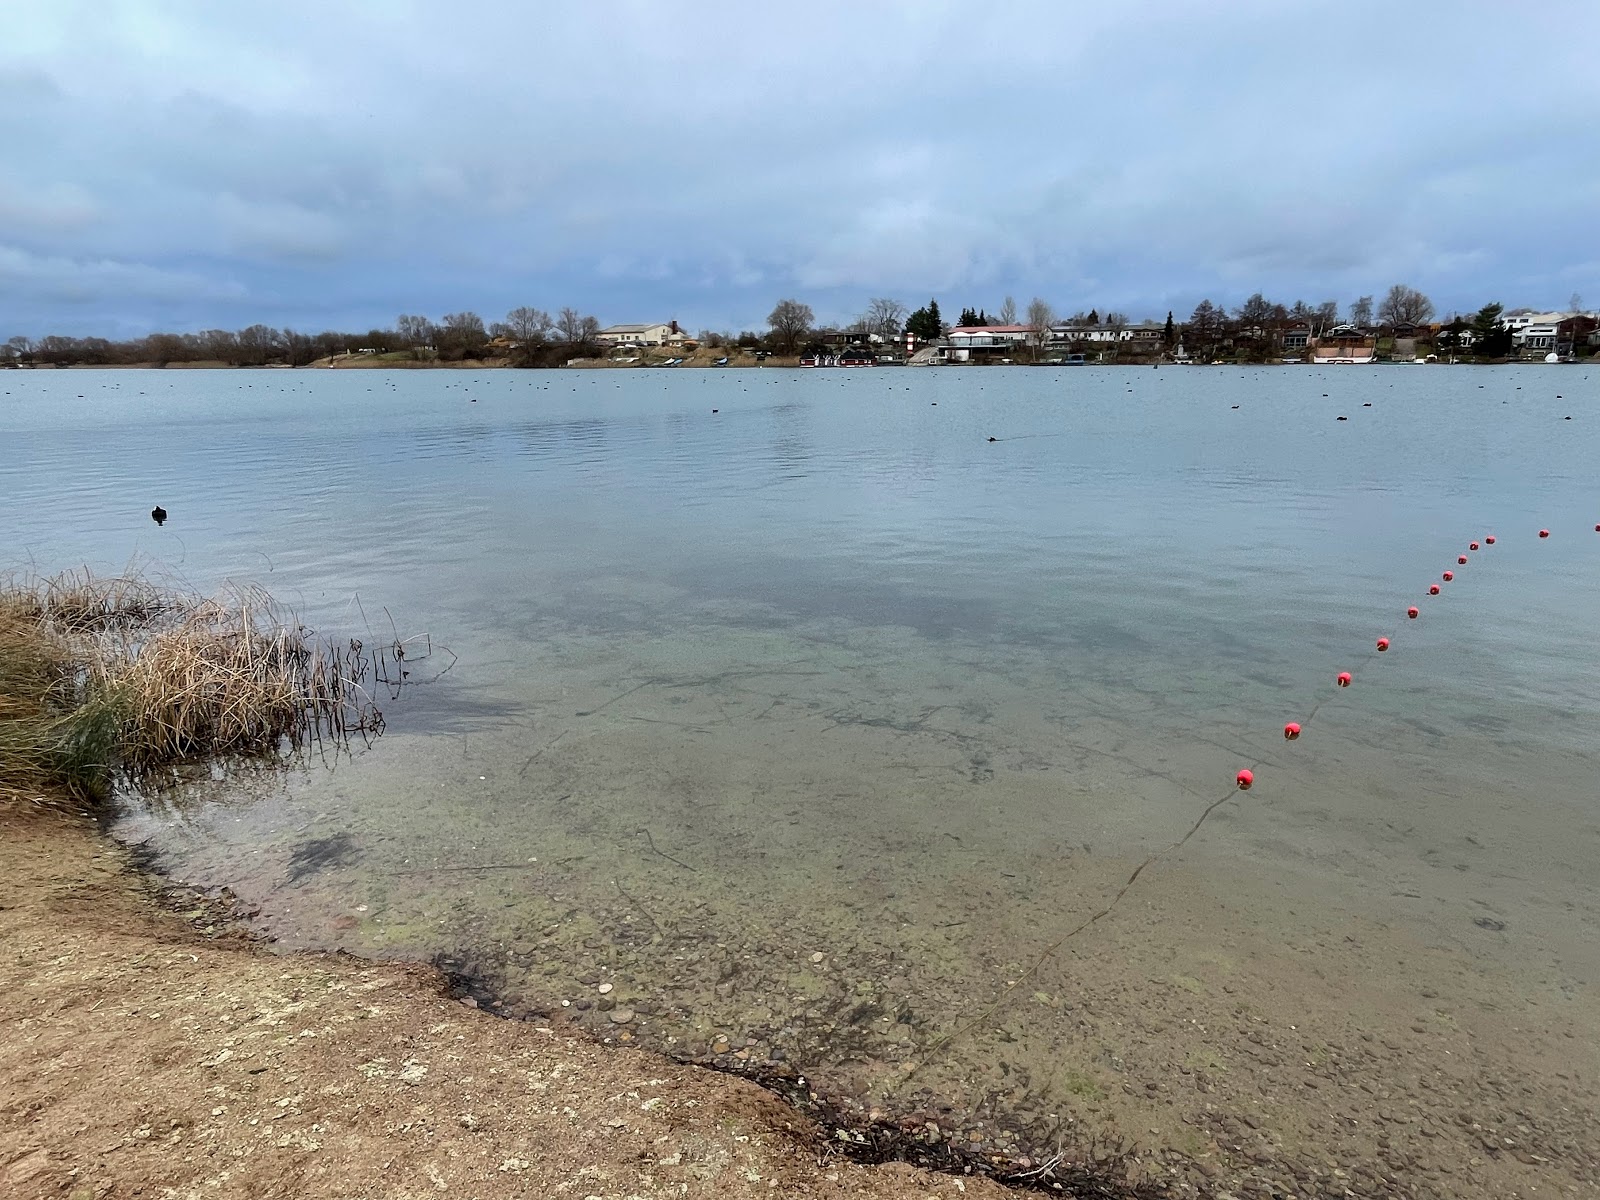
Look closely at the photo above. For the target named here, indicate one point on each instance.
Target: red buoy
(1544, 533)
(1291, 731)
(1244, 779)
(1461, 560)
(1344, 679)
(1412, 612)
(1474, 545)
(1489, 541)
(1448, 576)
(1433, 589)
(1383, 644)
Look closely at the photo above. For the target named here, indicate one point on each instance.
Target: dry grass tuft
(108, 678)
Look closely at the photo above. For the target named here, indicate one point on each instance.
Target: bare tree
(461, 335)
(1040, 317)
(1205, 328)
(417, 333)
(790, 321)
(1254, 312)
(1327, 316)
(1116, 322)
(883, 317)
(221, 345)
(569, 325)
(1575, 303)
(297, 348)
(1405, 306)
(1008, 312)
(589, 330)
(257, 345)
(1361, 312)
(528, 326)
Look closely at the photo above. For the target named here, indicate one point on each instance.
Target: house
(989, 336)
(1296, 339)
(1068, 335)
(1345, 344)
(1539, 335)
(658, 334)
(969, 343)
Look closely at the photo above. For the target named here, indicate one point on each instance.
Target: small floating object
(1343, 679)
(1472, 546)
(994, 439)
(1383, 644)
(1413, 612)
(1489, 541)
(1544, 533)
(1291, 731)
(1433, 589)
(716, 410)
(1341, 418)
(1448, 576)
(159, 515)
(1244, 779)
(1461, 560)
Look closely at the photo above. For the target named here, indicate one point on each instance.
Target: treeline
(527, 337)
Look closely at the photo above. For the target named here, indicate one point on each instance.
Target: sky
(179, 165)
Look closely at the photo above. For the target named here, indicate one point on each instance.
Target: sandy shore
(151, 1048)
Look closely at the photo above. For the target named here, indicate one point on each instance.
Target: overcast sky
(183, 165)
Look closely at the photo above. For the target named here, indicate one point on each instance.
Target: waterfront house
(1345, 344)
(979, 343)
(657, 334)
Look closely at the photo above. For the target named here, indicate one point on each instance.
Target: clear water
(828, 673)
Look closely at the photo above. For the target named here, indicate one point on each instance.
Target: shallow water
(816, 723)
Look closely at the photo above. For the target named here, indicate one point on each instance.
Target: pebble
(604, 989)
(621, 1016)
(720, 1046)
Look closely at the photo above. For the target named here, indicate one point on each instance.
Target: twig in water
(540, 751)
(589, 712)
(1033, 970)
(640, 907)
(664, 854)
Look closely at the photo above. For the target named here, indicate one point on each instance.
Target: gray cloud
(192, 163)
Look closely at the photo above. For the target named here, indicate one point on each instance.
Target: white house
(988, 337)
(658, 334)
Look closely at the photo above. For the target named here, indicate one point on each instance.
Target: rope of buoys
(1243, 781)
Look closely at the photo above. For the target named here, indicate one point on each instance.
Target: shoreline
(158, 1041)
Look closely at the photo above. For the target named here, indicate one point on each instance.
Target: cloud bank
(188, 164)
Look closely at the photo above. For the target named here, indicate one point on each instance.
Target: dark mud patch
(1087, 1168)
(319, 854)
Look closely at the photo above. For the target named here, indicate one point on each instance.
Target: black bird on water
(158, 515)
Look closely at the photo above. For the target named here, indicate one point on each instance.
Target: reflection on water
(812, 724)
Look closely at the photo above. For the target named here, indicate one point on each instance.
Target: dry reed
(107, 678)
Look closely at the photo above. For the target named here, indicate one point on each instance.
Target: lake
(826, 715)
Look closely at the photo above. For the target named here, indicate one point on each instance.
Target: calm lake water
(813, 720)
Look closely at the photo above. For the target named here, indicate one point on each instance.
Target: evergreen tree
(1170, 335)
(1094, 316)
(925, 323)
(968, 318)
